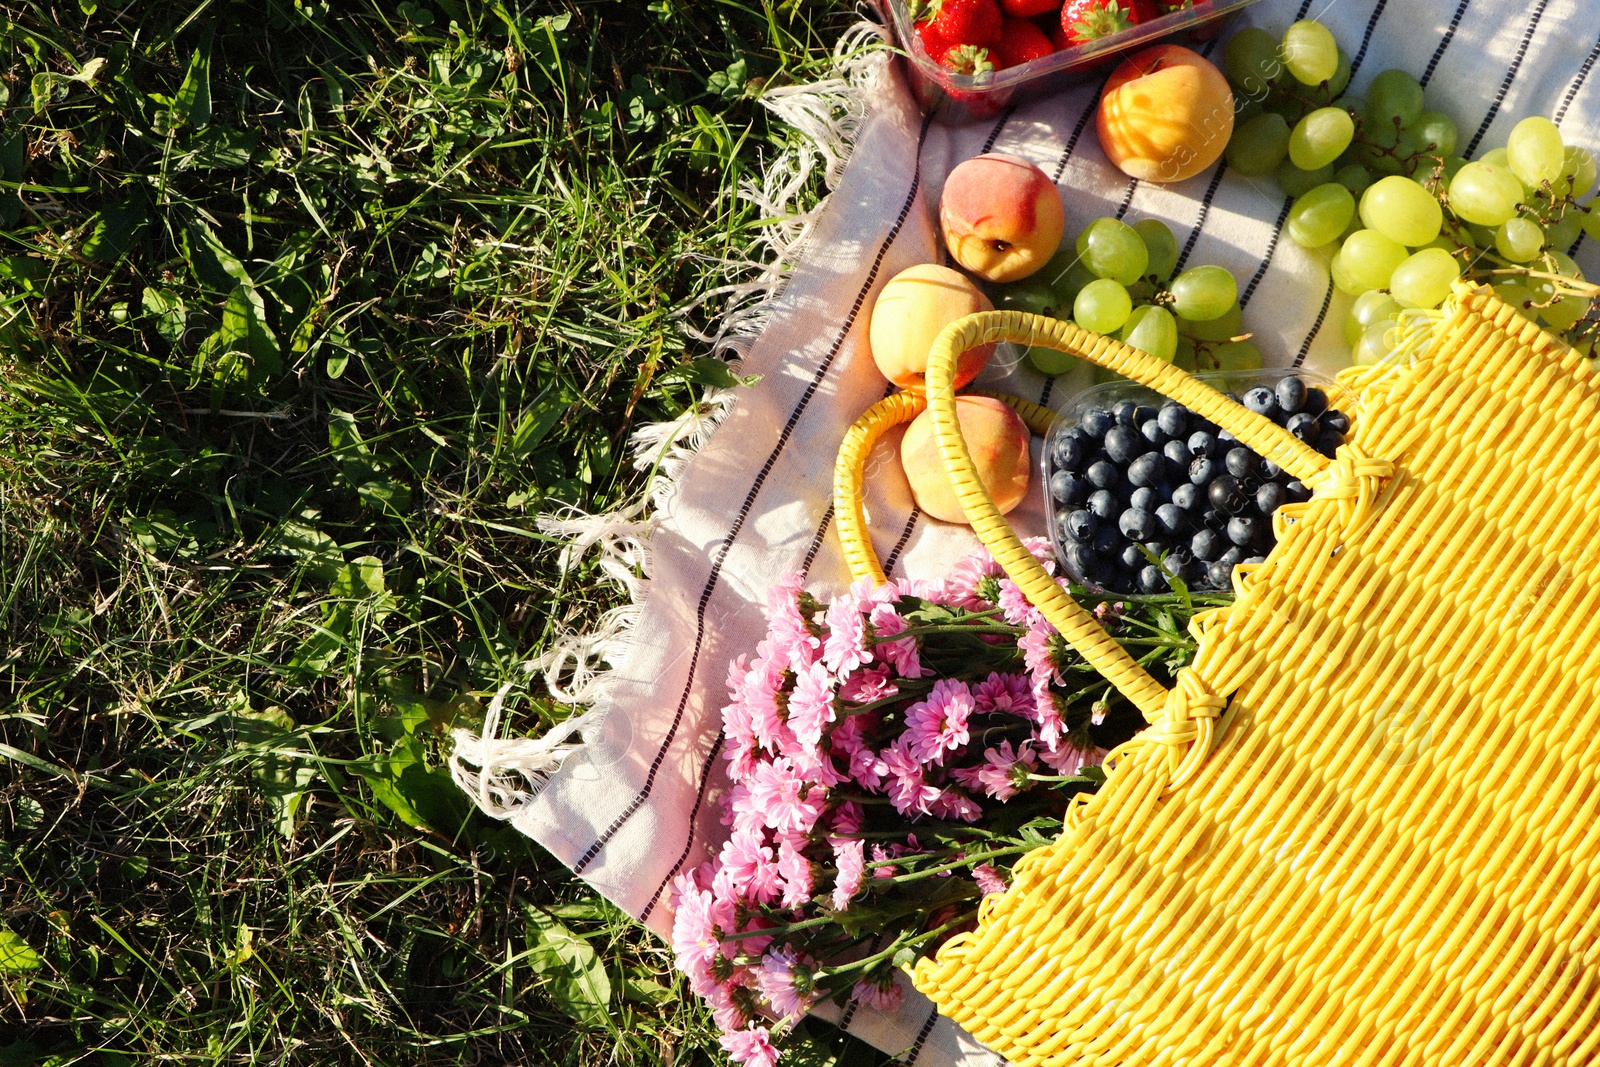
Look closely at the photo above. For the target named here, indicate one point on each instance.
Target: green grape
(1518, 296)
(1049, 361)
(1441, 241)
(1251, 60)
(1151, 329)
(1370, 307)
(1113, 249)
(1394, 101)
(1343, 280)
(1341, 74)
(1066, 274)
(1184, 357)
(1319, 138)
(1544, 289)
(1034, 296)
(1102, 306)
(1564, 312)
(1535, 151)
(1436, 133)
(1578, 172)
(1376, 343)
(1354, 177)
(1591, 223)
(1258, 146)
(1161, 247)
(1310, 52)
(1321, 215)
(1351, 227)
(1485, 194)
(1519, 240)
(1237, 355)
(1228, 324)
(1402, 210)
(1141, 292)
(1452, 167)
(1201, 294)
(1296, 182)
(1245, 109)
(1423, 280)
(1497, 157)
(1357, 106)
(1564, 231)
(1369, 258)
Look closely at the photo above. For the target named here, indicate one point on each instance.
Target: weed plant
(307, 311)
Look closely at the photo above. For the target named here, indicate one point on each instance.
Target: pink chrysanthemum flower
(846, 647)
(902, 655)
(1004, 770)
(933, 590)
(865, 686)
(1003, 694)
(883, 993)
(1070, 759)
(850, 858)
(787, 629)
(939, 724)
(695, 945)
(785, 981)
(746, 869)
(952, 804)
(848, 819)
(784, 799)
(762, 683)
(988, 879)
(817, 766)
(909, 790)
(752, 1048)
(967, 577)
(727, 1011)
(811, 704)
(879, 855)
(1016, 607)
(796, 872)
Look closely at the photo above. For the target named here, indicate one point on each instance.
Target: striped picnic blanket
(637, 804)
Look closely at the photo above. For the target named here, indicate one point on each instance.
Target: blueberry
(1187, 496)
(1219, 575)
(1177, 452)
(1241, 462)
(1262, 401)
(1144, 497)
(1255, 559)
(1303, 426)
(1151, 580)
(1337, 421)
(1203, 470)
(1269, 498)
(1231, 556)
(1174, 419)
(1068, 451)
(1138, 524)
(1103, 474)
(1151, 431)
(1224, 494)
(1226, 440)
(1268, 469)
(1147, 469)
(1068, 488)
(1206, 545)
(1080, 559)
(1081, 525)
(1108, 542)
(1328, 442)
(1290, 394)
(1296, 492)
(1126, 412)
(1202, 443)
(1132, 557)
(1124, 444)
(1316, 402)
(1096, 421)
(1172, 519)
(1241, 530)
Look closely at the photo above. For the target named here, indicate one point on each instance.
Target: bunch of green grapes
(1116, 279)
(1378, 183)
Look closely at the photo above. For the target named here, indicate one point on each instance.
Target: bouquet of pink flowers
(891, 755)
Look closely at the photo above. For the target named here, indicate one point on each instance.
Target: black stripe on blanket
(721, 552)
(1444, 42)
(1511, 74)
(1316, 327)
(909, 1056)
(1577, 84)
(905, 535)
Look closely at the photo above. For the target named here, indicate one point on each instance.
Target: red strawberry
(1026, 9)
(1089, 20)
(1020, 41)
(1146, 10)
(947, 24)
(969, 59)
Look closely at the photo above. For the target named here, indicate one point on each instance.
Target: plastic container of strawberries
(960, 98)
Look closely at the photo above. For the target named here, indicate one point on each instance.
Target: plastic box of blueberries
(1141, 490)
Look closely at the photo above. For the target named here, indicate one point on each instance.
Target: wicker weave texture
(1392, 853)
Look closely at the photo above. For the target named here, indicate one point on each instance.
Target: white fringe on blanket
(502, 774)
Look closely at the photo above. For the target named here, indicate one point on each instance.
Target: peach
(1001, 216)
(908, 316)
(998, 440)
(1165, 114)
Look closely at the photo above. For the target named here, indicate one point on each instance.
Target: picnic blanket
(635, 802)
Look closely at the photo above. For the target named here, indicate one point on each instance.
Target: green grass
(307, 311)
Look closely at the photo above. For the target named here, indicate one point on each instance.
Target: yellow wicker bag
(1362, 827)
